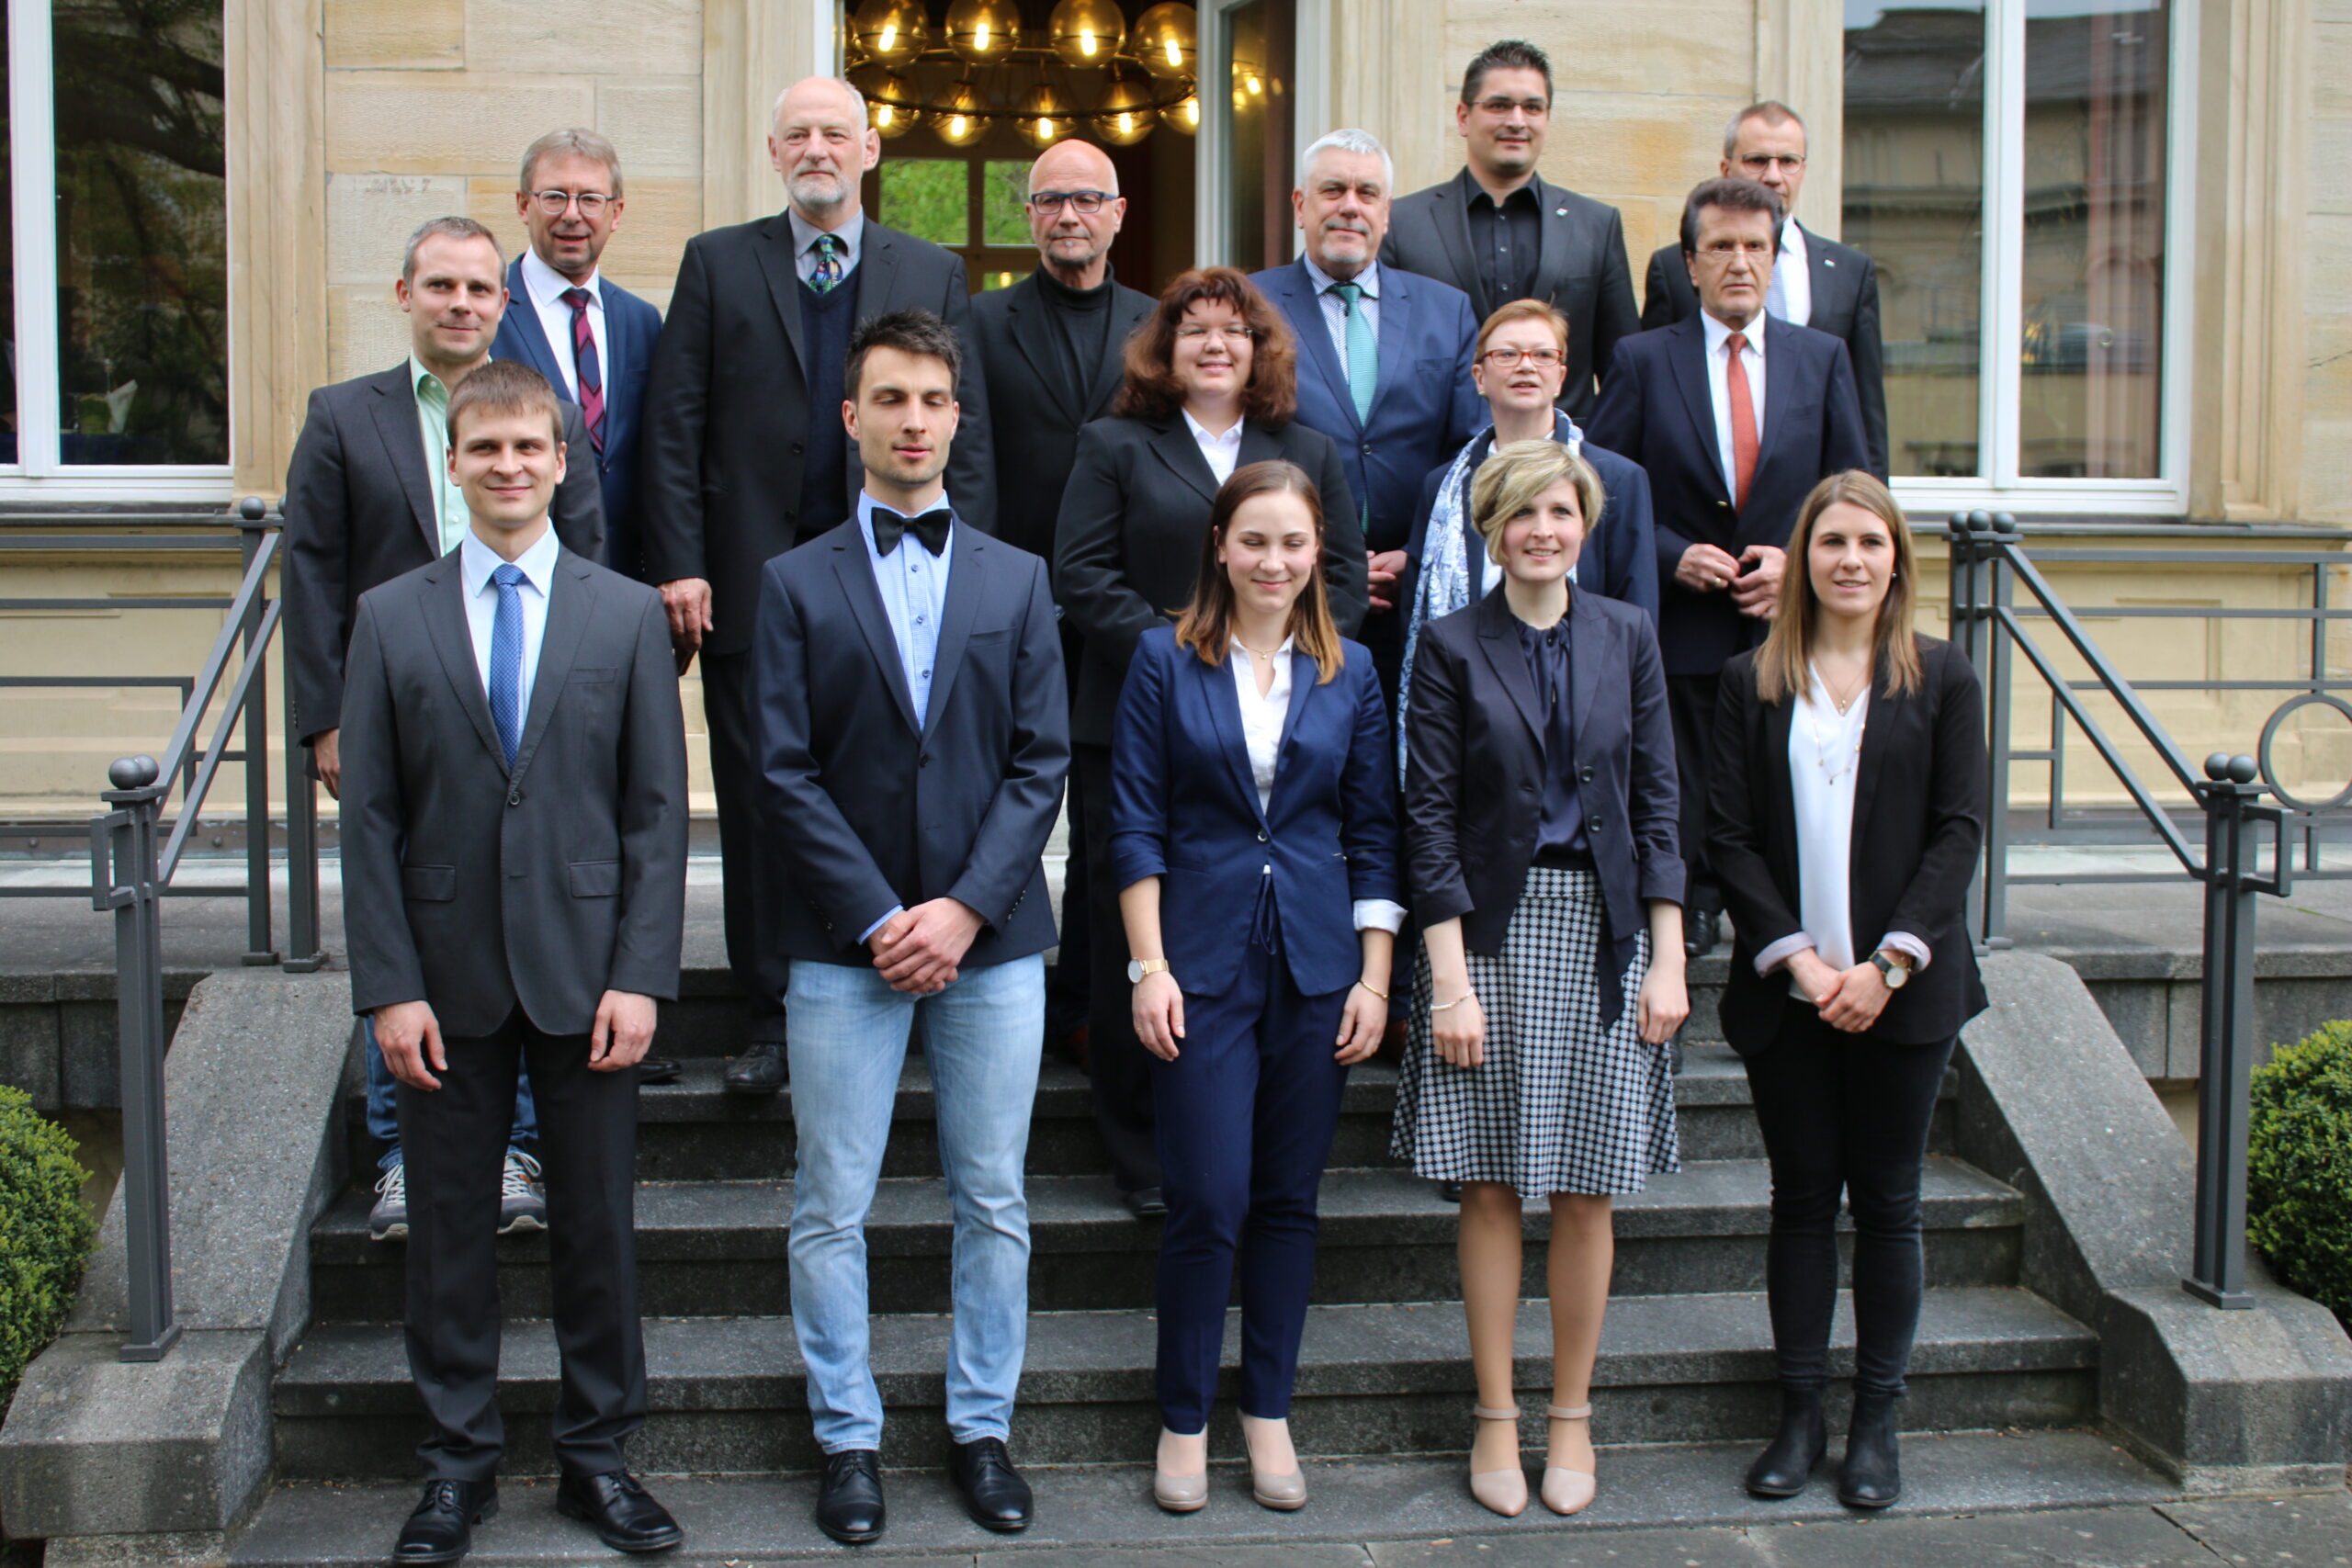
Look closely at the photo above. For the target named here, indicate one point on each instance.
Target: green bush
(44, 1233)
(2299, 1171)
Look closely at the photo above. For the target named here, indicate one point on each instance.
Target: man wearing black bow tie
(910, 732)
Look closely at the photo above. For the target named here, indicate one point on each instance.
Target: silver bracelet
(1448, 1007)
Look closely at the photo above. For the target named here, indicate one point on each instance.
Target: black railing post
(304, 952)
(252, 725)
(1979, 584)
(126, 879)
(2232, 885)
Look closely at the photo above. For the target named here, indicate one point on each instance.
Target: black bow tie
(931, 528)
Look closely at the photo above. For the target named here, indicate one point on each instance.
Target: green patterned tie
(828, 276)
(1364, 354)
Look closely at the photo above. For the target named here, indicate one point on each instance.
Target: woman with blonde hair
(1541, 812)
(1847, 812)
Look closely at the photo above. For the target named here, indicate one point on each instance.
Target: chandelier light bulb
(1087, 33)
(891, 32)
(983, 31)
(1167, 42)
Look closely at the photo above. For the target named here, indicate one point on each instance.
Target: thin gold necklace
(1844, 702)
(1261, 652)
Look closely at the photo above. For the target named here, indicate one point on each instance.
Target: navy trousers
(1246, 1116)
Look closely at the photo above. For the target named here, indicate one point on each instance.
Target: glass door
(1262, 79)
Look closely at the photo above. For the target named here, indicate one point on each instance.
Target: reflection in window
(1914, 203)
(143, 291)
(2094, 239)
(927, 197)
(1258, 216)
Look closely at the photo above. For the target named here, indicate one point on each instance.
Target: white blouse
(1262, 718)
(1221, 453)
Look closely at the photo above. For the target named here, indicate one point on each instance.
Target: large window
(2006, 165)
(117, 238)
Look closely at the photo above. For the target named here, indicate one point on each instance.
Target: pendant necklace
(1824, 746)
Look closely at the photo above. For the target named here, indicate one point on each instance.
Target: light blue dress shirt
(849, 236)
(914, 584)
(476, 561)
(1335, 309)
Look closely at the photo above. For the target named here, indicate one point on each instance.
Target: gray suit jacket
(358, 512)
(476, 888)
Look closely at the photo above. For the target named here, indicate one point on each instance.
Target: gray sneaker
(387, 1221)
(520, 1206)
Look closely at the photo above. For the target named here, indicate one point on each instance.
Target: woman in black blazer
(1212, 382)
(1847, 812)
(1541, 815)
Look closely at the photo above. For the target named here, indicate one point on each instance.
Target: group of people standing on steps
(1427, 654)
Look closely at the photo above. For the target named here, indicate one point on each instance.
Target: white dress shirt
(1719, 389)
(1262, 718)
(1334, 307)
(849, 238)
(1790, 296)
(478, 561)
(545, 288)
(1221, 452)
(913, 586)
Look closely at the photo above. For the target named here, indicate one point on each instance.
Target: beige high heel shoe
(1501, 1491)
(1568, 1491)
(1179, 1493)
(1283, 1493)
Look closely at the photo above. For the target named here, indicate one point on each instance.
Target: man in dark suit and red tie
(590, 337)
(1737, 415)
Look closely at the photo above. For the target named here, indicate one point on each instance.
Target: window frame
(1310, 105)
(40, 473)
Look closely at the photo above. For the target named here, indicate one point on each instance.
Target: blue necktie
(828, 276)
(1364, 354)
(507, 659)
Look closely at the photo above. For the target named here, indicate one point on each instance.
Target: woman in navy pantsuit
(1254, 840)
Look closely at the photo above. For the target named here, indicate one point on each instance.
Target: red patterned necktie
(1743, 422)
(583, 359)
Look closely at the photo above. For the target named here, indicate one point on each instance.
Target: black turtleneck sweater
(1082, 330)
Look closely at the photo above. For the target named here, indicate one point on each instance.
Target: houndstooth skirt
(1559, 1104)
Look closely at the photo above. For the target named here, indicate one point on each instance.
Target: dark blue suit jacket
(632, 325)
(870, 807)
(1656, 409)
(1619, 559)
(1426, 406)
(1184, 808)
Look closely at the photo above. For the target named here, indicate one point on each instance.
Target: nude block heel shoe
(1501, 1491)
(1283, 1493)
(1568, 1491)
(1179, 1493)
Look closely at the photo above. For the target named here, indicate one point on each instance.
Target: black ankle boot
(1873, 1474)
(1785, 1468)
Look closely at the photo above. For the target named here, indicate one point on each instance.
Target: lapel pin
(1829, 261)
(1559, 212)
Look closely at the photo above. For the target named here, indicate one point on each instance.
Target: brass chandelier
(1148, 73)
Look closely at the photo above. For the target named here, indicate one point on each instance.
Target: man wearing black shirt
(1499, 232)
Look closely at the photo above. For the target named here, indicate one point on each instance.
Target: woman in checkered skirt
(1540, 810)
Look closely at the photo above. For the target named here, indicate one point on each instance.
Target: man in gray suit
(513, 863)
(368, 497)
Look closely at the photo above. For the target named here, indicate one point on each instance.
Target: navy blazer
(869, 806)
(1619, 558)
(1655, 409)
(1426, 405)
(1184, 808)
(1475, 768)
(631, 327)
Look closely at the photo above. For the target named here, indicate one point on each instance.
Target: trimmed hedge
(2299, 1169)
(45, 1234)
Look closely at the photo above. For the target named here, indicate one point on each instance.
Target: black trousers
(1117, 1066)
(1691, 709)
(747, 897)
(455, 1142)
(1844, 1115)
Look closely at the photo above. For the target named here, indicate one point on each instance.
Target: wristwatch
(1139, 967)
(1897, 974)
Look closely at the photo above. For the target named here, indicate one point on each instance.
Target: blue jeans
(383, 1116)
(982, 1036)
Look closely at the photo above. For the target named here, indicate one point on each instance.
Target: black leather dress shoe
(994, 1493)
(657, 1069)
(1449, 1192)
(623, 1516)
(442, 1529)
(848, 1499)
(759, 1070)
(1785, 1467)
(1699, 923)
(1871, 1476)
(1144, 1202)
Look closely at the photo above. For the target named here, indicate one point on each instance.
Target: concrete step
(710, 1247)
(728, 1394)
(1095, 1512)
(694, 1131)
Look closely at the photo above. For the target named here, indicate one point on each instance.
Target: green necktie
(1364, 354)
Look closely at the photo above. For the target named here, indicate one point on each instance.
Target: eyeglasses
(1193, 332)
(1513, 358)
(1762, 162)
(592, 203)
(1533, 108)
(1723, 252)
(1086, 203)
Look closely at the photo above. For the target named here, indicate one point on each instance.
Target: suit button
(795, 449)
(1261, 836)
(1584, 774)
(923, 761)
(1526, 789)
(515, 799)
(1367, 451)
(1594, 823)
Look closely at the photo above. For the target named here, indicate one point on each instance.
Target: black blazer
(477, 887)
(1845, 305)
(1918, 832)
(1037, 426)
(359, 512)
(868, 807)
(727, 413)
(1581, 268)
(1657, 409)
(1475, 766)
(1128, 545)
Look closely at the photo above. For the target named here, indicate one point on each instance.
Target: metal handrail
(1988, 560)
